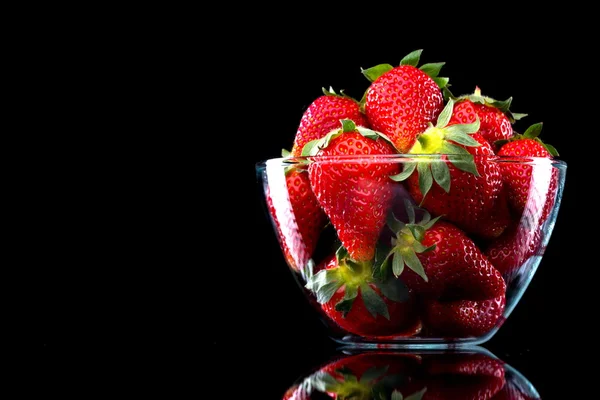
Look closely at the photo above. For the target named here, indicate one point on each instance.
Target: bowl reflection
(467, 374)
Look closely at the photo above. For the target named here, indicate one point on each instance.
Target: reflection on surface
(466, 374)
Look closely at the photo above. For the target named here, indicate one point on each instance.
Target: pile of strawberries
(389, 375)
(435, 201)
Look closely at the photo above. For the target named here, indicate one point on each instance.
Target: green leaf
(375, 72)
(464, 163)
(413, 262)
(517, 116)
(345, 305)
(407, 171)
(348, 125)
(430, 223)
(380, 264)
(307, 150)
(442, 84)
(410, 211)
(397, 263)
(460, 137)
(329, 92)
(473, 127)
(451, 148)
(285, 153)
(417, 231)
(374, 304)
(441, 174)
(533, 131)
(500, 143)
(396, 395)
(312, 148)
(425, 178)
(432, 69)
(372, 374)
(445, 115)
(417, 396)
(551, 149)
(341, 254)
(394, 289)
(324, 284)
(412, 58)
(324, 382)
(393, 223)
(502, 105)
(368, 133)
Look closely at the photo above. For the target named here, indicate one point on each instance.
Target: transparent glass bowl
(386, 266)
(472, 373)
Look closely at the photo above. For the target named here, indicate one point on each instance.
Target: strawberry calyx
(442, 140)
(331, 92)
(503, 105)
(532, 132)
(354, 276)
(374, 383)
(408, 241)
(412, 59)
(312, 148)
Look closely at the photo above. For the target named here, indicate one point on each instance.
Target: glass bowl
(473, 373)
(412, 250)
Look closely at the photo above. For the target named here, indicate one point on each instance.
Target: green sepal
(460, 137)
(418, 395)
(432, 69)
(373, 302)
(441, 174)
(375, 72)
(466, 129)
(324, 284)
(324, 382)
(425, 177)
(397, 263)
(445, 115)
(551, 149)
(441, 82)
(285, 153)
(533, 131)
(369, 133)
(517, 116)
(412, 261)
(312, 148)
(412, 58)
(464, 162)
(381, 262)
(396, 395)
(373, 374)
(345, 305)
(407, 171)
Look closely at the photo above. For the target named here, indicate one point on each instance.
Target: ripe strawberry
(359, 302)
(468, 190)
(494, 116)
(531, 183)
(516, 390)
(462, 318)
(401, 101)
(463, 376)
(443, 262)
(323, 115)
(296, 215)
(355, 196)
(515, 246)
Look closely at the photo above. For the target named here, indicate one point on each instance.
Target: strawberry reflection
(467, 374)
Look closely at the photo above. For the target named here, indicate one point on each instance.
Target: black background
(217, 293)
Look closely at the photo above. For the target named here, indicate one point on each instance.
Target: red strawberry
(443, 262)
(323, 115)
(402, 101)
(512, 390)
(355, 196)
(463, 376)
(494, 116)
(361, 303)
(461, 318)
(509, 251)
(531, 184)
(296, 214)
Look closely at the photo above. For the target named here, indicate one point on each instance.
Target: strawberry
(323, 115)
(355, 196)
(468, 190)
(517, 390)
(296, 215)
(531, 184)
(465, 363)
(401, 101)
(515, 246)
(444, 263)
(461, 318)
(360, 302)
(495, 118)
